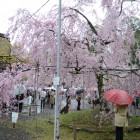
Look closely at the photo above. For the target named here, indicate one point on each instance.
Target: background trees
(89, 42)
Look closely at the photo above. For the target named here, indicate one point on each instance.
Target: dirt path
(7, 133)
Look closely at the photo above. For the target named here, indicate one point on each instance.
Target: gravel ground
(9, 133)
(13, 134)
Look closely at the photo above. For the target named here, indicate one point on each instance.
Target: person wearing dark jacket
(19, 98)
(78, 98)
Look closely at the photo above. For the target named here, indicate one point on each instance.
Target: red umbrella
(117, 96)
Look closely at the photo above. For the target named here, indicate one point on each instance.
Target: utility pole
(56, 80)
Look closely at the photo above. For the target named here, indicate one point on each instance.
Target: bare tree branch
(136, 73)
(121, 8)
(88, 21)
(117, 75)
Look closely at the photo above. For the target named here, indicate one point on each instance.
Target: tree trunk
(100, 84)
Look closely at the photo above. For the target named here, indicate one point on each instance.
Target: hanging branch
(68, 16)
(88, 21)
(103, 42)
(136, 73)
(121, 8)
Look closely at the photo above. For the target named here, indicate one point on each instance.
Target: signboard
(56, 81)
(14, 117)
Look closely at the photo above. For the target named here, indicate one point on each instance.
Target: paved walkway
(73, 107)
(49, 111)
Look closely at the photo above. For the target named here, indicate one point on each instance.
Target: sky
(9, 7)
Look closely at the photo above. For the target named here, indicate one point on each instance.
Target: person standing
(121, 120)
(20, 98)
(95, 98)
(42, 96)
(29, 101)
(52, 98)
(78, 98)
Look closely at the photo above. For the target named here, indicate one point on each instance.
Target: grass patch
(85, 120)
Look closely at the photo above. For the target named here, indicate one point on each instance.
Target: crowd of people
(46, 98)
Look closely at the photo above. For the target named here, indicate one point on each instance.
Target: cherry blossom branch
(103, 42)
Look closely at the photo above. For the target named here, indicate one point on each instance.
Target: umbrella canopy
(20, 89)
(79, 91)
(117, 96)
(47, 88)
(64, 89)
